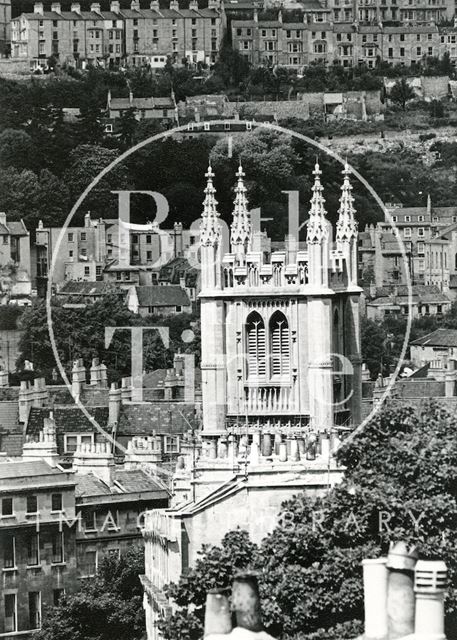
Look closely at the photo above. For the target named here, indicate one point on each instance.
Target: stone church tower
(281, 345)
(281, 376)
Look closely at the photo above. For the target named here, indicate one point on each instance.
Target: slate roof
(11, 432)
(438, 338)
(19, 475)
(163, 417)
(141, 103)
(162, 296)
(134, 480)
(68, 419)
(127, 481)
(86, 288)
(396, 295)
(89, 485)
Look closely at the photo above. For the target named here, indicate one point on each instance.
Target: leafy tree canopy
(400, 484)
(108, 607)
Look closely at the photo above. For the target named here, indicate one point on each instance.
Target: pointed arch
(255, 345)
(279, 344)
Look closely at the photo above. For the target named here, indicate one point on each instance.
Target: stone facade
(38, 565)
(109, 37)
(91, 252)
(427, 234)
(278, 333)
(296, 44)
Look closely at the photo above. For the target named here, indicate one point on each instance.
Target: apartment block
(38, 548)
(428, 241)
(296, 44)
(108, 37)
(90, 253)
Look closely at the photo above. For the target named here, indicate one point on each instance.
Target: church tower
(213, 363)
(281, 347)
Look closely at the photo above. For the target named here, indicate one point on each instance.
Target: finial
(317, 229)
(346, 227)
(210, 229)
(240, 231)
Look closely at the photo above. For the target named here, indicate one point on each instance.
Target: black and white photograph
(228, 320)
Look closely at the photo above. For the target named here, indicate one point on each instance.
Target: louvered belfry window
(256, 348)
(280, 345)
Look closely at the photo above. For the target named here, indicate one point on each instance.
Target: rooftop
(438, 338)
(162, 296)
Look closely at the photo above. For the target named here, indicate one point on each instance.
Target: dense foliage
(400, 484)
(80, 333)
(108, 607)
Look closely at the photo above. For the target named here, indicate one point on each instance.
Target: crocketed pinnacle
(346, 227)
(210, 228)
(240, 232)
(317, 230)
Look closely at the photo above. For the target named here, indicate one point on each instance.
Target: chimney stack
(95, 7)
(430, 582)
(37, 8)
(75, 7)
(114, 404)
(78, 378)
(43, 448)
(96, 459)
(115, 6)
(56, 8)
(98, 375)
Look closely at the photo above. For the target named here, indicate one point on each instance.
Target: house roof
(164, 417)
(141, 103)
(19, 475)
(86, 288)
(11, 432)
(438, 338)
(162, 296)
(126, 481)
(68, 419)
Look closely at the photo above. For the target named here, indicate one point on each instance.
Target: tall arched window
(280, 344)
(255, 345)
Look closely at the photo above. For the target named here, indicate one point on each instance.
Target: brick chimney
(96, 459)
(75, 7)
(37, 8)
(154, 5)
(43, 446)
(135, 5)
(193, 5)
(174, 5)
(95, 7)
(115, 6)
(56, 8)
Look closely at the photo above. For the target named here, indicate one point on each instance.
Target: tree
(16, 149)
(108, 607)
(400, 484)
(128, 125)
(87, 161)
(401, 93)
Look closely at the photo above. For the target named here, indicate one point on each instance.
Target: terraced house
(294, 43)
(108, 37)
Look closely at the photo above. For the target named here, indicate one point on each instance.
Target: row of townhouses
(345, 31)
(296, 44)
(134, 35)
(68, 497)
